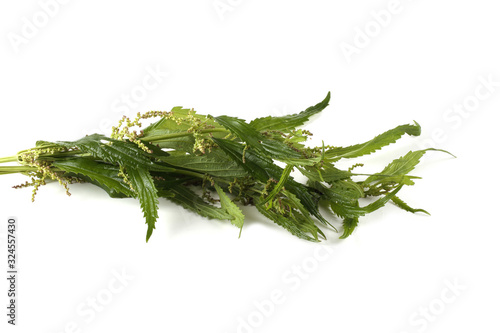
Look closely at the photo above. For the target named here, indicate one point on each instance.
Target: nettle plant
(211, 165)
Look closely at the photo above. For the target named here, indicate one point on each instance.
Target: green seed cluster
(31, 157)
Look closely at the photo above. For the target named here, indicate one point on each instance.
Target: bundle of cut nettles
(212, 165)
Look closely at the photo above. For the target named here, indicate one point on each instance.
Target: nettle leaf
(343, 191)
(146, 192)
(291, 225)
(327, 173)
(263, 168)
(254, 164)
(302, 213)
(41, 143)
(170, 125)
(214, 163)
(397, 170)
(281, 151)
(157, 151)
(102, 174)
(183, 144)
(373, 145)
(279, 186)
(354, 211)
(403, 205)
(189, 200)
(230, 207)
(275, 149)
(289, 122)
(166, 125)
(349, 224)
(351, 213)
(175, 129)
(109, 150)
(241, 129)
(124, 153)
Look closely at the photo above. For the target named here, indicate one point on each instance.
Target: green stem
(8, 159)
(16, 169)
(180, 134)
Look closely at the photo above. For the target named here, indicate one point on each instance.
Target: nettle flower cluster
(35, 158)
(197, 127)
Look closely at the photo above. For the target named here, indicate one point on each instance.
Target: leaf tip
(418, 129)
(423, 211)
(149, 233)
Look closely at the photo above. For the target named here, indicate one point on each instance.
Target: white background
(66, 78)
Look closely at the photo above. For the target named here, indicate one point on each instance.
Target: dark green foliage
(102, 174)
(212, 165)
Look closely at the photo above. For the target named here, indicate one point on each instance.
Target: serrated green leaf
(214, 163)
(189, 200)
(349, 224)
(146, 192)
(291, 199)
(169, 125)
(327, 173)
(124, 153)
(403, 205)
(105, 175)
(354, 211)
(397, 170)
(344, 191)
(282, 152)
(181, 144)
(237, 217)
(272, 148)
(41, 143)
(175, 130)
(109, 150)
(291, 225)
(263, 168)
(278, 187)
(373, 145)
(254, 164)
(289, 122)
(351, 212)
